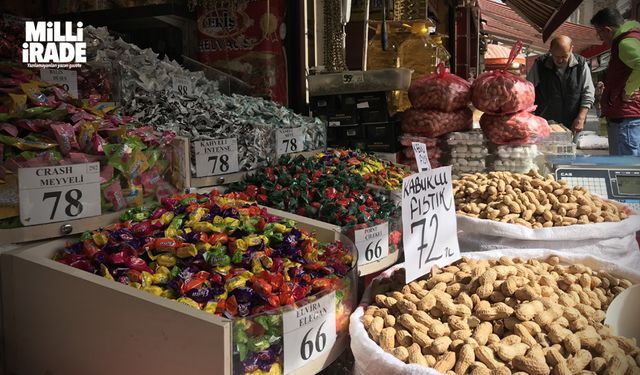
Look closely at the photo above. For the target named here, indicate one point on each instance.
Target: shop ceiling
(534, 22)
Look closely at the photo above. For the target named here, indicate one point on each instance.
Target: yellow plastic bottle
(418, 51)
(442, 55)
(382, 59)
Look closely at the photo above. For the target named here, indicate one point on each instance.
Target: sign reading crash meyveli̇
(428, 222)
(216, 156)
(51, 194)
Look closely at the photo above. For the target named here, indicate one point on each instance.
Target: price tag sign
(422, 157)
(289, 140)
(68, 79)
(309, 332)
(182, 85)
(216, 156)
(372, 243)
(50, 194)
(428, 222)
(352, 78)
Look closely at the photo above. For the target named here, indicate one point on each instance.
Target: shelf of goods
(217, 289)
(67, 162)
(529, 322)
(344, 190)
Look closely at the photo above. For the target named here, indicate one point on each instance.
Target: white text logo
(53, 45)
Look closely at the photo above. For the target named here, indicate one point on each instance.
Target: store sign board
(309, 331)
(428, 222)
(289, 140)
(68, 79)
(422, 156)
(216, 157)
(66, 192)
(372, 243)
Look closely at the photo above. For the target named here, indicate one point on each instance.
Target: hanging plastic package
(245, 39)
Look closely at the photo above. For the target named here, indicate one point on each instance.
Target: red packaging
(500, 92)
(441, 91)
(521, 128)
(245, 39)
(66, 137)
(435, 123)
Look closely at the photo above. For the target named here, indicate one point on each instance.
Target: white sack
(615, 242)
(370, 359)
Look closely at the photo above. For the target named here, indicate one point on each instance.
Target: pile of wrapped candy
(374, 170)
(310, 187)
(225, 257)
(41, 125)
(204, 113)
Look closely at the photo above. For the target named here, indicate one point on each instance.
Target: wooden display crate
(69, 227)
(59, 319)
(331, 232)
(182, 171)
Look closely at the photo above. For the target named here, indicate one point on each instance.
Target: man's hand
(628, 98)
(578, 124)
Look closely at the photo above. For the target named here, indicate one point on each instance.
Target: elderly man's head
(561, 49)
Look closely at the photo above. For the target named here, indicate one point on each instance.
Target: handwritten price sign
(428, 222)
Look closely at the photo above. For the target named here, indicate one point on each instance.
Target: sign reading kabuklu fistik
(428, 222)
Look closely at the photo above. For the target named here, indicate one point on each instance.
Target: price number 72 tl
(433, 222)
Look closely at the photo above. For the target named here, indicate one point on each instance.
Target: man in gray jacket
(564, 88)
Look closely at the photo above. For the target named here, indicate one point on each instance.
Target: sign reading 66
(309, 332)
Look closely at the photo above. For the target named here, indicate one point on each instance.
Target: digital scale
(613, 177)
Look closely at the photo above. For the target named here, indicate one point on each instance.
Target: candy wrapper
(311, 188)
(375, 171)
(224, 257)
(201, 112)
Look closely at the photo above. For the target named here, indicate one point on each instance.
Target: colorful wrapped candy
(41, 125)
(225, 257)
(374, 170)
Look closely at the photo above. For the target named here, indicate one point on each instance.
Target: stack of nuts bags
(440, 106)
(508, 102)
(505, 316)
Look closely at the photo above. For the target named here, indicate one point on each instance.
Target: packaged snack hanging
(441, 91)
(500, 92)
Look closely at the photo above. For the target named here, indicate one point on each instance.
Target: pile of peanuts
(508, 316)
(530, 200)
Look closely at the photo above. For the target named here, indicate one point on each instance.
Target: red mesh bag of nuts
(522, 128)
(441, 91)
(433, 124)
(500, 92)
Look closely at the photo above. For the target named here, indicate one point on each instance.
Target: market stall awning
(508, 26)
(544, 15)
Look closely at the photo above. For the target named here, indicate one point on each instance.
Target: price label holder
(372, 243)
(350, 78)
(422, 157)
(52, 194)
(428, 222)
(182, 85)
(215, 157)
(309, 332)
(68, 79)
(289, 140)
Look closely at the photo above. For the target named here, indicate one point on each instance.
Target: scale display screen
(629, 185)
(619, 184)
